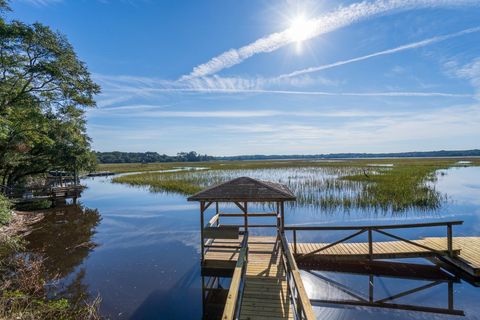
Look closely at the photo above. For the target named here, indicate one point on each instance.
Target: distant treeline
(192, 156)
(149, 157)
(414, 154)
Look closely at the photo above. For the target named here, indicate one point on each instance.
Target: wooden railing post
(449, 240)
(295, 241)
(202, 210)
(370, 244)
(371, 288)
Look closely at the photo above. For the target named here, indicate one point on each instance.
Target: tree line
(192, 156)
(149, 157)
(44, 92)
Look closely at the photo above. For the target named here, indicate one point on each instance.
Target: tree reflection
(63, 239)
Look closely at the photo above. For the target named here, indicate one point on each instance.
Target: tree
(44, 91)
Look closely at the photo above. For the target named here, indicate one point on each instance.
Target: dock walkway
(265, 294)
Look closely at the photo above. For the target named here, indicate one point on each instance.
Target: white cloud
(342, 17)
(448, 127)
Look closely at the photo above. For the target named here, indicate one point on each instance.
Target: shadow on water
(181, 301)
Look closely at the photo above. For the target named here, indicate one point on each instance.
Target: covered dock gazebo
(240, 191)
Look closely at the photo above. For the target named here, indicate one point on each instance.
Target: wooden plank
(233, 292)
(468, 259)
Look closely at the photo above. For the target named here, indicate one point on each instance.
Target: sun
(300, 29)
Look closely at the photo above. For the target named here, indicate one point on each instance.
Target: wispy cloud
(313, 93)
(41, 3)
(409, 46)
(152, 111)
(342, 17)
(444, 125)
(471, 72)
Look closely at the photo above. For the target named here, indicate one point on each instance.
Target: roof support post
(282, 213)
(245, 216)
(202, 243)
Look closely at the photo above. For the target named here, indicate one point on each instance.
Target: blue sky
(275, 77)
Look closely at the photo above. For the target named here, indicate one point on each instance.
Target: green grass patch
(5, 210)
(379, 184)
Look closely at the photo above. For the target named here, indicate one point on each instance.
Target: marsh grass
(371, 184)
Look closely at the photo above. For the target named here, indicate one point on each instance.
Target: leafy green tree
(44, 91)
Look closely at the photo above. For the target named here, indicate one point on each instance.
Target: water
(139, 251)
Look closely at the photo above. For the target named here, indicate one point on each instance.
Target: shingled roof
(245, 189)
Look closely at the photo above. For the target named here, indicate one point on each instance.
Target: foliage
(44, 89)
(5, 210)
(35, 205)
(148, 157)
(24, 295)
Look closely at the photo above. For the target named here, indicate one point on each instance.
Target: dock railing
(300, 301)
(370, 229)
(235, 292)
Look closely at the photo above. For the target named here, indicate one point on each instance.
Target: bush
(5, 210)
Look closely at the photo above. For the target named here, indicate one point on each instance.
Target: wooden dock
(381, 250)
(468, 258)
(265, 293)
(265, 279)
(48, 193)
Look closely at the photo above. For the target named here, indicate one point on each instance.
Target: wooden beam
(205, 207)
(376, 227)
(234, 293)
(240, 206)
(250, 214)
(221, 232)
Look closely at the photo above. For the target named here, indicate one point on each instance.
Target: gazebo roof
(245, 189)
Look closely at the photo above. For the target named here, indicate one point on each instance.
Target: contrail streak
(342, 17)
(409, 46)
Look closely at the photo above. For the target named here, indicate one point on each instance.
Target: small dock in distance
(265, 278)
(100, 174)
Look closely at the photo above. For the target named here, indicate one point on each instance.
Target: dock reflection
(215, 285)
(381, 284)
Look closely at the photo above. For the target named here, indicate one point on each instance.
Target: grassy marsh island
(396, 184)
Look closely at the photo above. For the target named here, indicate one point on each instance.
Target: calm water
(139, 251)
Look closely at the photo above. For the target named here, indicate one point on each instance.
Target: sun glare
(300, 29)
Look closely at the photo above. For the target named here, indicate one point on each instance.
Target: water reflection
(63, 239)
(140, 252)
(413, 289)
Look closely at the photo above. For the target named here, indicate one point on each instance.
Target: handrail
(387, 226)
(376, 228)
(299, 298)
(235, 293)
